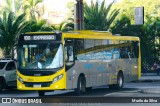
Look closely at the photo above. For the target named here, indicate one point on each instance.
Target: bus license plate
(37, 85)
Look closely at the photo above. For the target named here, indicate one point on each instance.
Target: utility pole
(78, 15)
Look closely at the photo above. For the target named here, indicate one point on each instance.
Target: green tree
(31, 7)
(10, 27)
(99, 17)
(149, 35)
(151, 7)
(152, 36)
(37, 25)
(34, 11)
(123, 26)
(69, 19)
(64, 26)
(12, 5)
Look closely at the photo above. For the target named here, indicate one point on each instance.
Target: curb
(147, 80)
(151, 91)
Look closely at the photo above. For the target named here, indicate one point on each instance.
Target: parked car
(7, 73)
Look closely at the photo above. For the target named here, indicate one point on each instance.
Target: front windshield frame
(60, 45)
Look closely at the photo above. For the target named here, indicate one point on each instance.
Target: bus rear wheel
(41, 93)
(120, 81)
(89, 89)
(81, 85)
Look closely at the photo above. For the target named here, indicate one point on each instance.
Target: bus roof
(43, 32)
(88, 34)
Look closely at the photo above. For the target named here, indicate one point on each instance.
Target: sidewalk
(149, 77)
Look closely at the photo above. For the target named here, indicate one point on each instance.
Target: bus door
(134, 60)
(69, 61)
(69, 53)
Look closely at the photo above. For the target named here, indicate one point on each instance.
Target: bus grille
(43, 84)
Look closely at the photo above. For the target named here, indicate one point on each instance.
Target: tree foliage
(8, 6)
(99, 17)
(151, 7)
(25, 18)
(10, 27)
(149, 35)
(64, 26)
(37, 25)
(31, 7)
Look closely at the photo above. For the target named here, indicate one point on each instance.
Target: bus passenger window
(125, 52)
(135, 46)
(122, 52)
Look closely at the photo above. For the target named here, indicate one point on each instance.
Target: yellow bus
(77, 60)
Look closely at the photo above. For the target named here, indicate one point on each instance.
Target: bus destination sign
(39, 37)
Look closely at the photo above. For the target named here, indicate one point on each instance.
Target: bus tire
(120, 81)
(1, 86)
(81, 85)
(41, 93)
(112, 87)
(88, 88)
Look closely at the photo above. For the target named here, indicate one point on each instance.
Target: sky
(61, 4)
(59, 7)
(107, 1)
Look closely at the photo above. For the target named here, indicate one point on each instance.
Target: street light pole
(78, 15)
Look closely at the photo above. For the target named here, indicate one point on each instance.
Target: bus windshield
(41, 56)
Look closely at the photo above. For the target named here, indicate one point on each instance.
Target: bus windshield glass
(41, 56)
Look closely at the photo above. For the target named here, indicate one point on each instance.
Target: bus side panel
(98, 72)
(110, 72)
(74, 72)
(133, 62)
(129, 68)
(95, 72)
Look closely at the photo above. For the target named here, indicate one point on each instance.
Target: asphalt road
(130, 90)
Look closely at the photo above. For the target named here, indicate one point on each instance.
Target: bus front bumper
(39, 86)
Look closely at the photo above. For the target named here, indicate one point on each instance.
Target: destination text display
(40, 37)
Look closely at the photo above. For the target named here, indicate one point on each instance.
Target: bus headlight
(57, 78)
(20, 79)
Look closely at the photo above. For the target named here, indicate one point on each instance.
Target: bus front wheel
(41, 93)
(81, 85)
